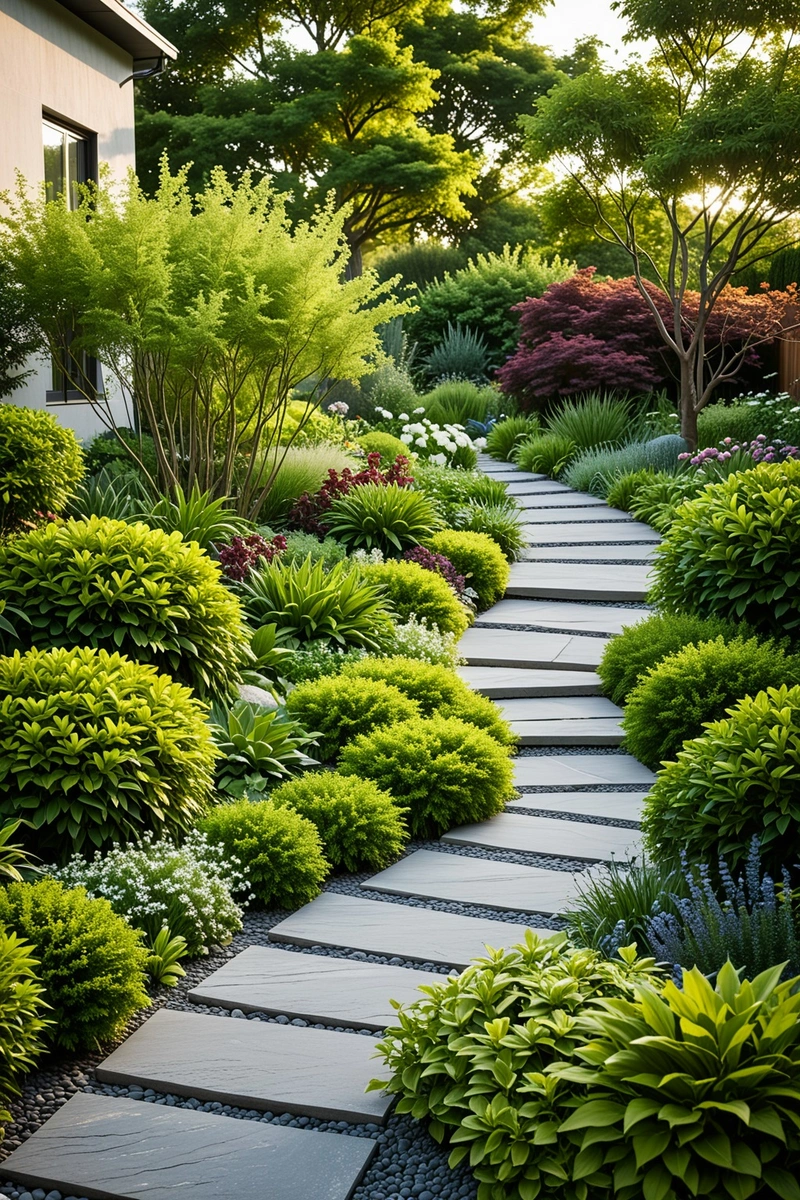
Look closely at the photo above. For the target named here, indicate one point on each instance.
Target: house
(66, 105)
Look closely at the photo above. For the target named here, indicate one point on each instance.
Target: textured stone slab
(510, 648)
(503, 683)
(394, 930)
(571, 581)
(564, 615)
(553, 516)
(534, 487)
(596, 731)
(553, 708)
(582, 533)
(560, 500)
(589, 554)
(110, 1148)
(618, 806)
(580, 770)
(314, 987)
(468, 880)
(254, 1064)
(506, 472)
(546, 835)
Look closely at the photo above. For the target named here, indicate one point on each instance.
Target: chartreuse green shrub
(445, 771)
(23, 1015)
(470, 1057)
(549, 453)
(143, 592)
(337, 708)
(359, 825)
(735, 550)
(675, 698)
(385, 444)
(478, 558)
(41, 464)
(437, 690)
(628, 657)
(95, 749)
(256, 746)
(506, 435)
(739, 780)
(91, 962)
(279, 851)
(409, 589)
(384, 517)
(693, 1091)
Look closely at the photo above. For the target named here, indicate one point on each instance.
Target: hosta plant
(387, 517)
(256, 746)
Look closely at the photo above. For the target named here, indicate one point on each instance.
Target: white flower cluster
(371, 558)
(415, 639)
(424, 436)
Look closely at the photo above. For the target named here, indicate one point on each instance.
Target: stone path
(338, 962)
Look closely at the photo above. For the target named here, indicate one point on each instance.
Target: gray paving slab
(571, 581)
(580, 771)
(618, 806)
(589, 554)
(395, 930)
(566, 616)
(485, 647)
(506, 472)
(546, 835)
(595, 731)
(553, 708)
(537, 487)
(468, 880)
(561, 501)
(553, 516)
(112, 1148)
(581, 533)
(502, 683)
(313, 987)
(253, 1064)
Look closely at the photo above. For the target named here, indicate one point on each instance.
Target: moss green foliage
(437, 690)
(256, 746)
(500, 522)
(506, 435)
(41, 464)
(388, 518)
(279, 851)
(470, 1057)
(547, 453)
(318, 660)
(300, 545)
(628, 657)
(445, 771)
(123, 587)
(96, 749)
(735, 550)
(743, 422)
(91, 962)
(23, 1015)
(697, 684)
(478, 558)
(591, 420)
(408, 588)
(359, 825)
(385, 444)
(452, 490)
(739, 780)
(107, 452)
(612, 904)
(340, 707)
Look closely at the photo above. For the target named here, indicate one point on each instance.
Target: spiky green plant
(387, 517)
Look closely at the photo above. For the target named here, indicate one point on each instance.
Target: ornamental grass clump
(505, 436)
(549, 453)
(500, 522)
(341, 707)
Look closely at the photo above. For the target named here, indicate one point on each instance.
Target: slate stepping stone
(110, 1148)
(468, 880)
(546, 835)
(315, 987)
(505, 472)
(253, 1064)
(581, 533)
(484, 647)
(597, 731)
(561, 500)
(571, 581)
(552, 708)
(589, 554)
(564, 615)
(504, 683)
(395, 930)
(534, 487)
(580, 771)
(619, 806)
(552, 516)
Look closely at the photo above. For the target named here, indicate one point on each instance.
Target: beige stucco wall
(53, 61)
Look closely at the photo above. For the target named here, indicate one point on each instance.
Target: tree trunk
(355, 265)
(687, 405)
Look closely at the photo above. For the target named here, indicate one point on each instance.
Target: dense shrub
(318, 660)
(359, 825)
(478, 558)
(591, 420)
(41, 464)
(500, 522)
(91, 962)
(735, 550)
(96, 749)
(140, 591)
(452, 490)
(739, 780)
(444, 770)
(338, 708)
(257, 745)
(300, 545)
(389, 518)
(506, 435)
(416, 639)
(409, 588)
(107, 452)
(628, 657)
(23, 1015)
(279, 851)
(385, 444)
(549, 453)
(740, 421)
(675, 698)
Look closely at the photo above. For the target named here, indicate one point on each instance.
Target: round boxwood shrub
(735, 550)
(409, 588)
(141, 591)
(279, 851)
(41, 463)
(337, 708)
(358, 824)
(92, 964)
(674, 699)
(23, 1014)
(437, 690)
(478, 558)
(445, 771)
(385, 444)
(95, 749)
(739, 780)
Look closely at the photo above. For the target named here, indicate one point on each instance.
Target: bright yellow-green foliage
(41, 463)
(385, 444)
(95, 749)
(478, 558)
(23, 1015)
(337, 708)
(408, 588)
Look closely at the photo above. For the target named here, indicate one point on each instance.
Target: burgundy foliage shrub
(309, 510)
(244, 554)
(439, 565)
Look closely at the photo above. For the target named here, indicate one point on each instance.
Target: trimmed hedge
(409, 588)
(41, 464)
(337, 708)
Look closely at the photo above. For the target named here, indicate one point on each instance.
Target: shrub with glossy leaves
(92, 964)
(548, 453)
(506, 435)
(143, 592)
(41, 464)
(478, 558)
(23, 1015)
(409, 588)
(340, 707)
(735, 550)
(739, 780)
(359, 825)
(387, 517)
(445, 771)
(96, 749)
